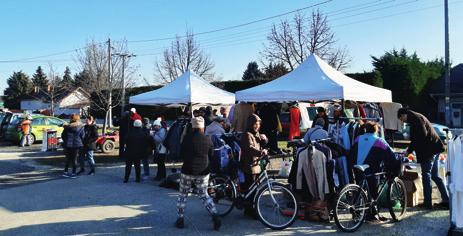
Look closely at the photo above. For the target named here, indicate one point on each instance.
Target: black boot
(92, 172)
(217, 222)
(82, 170)
(180, 223)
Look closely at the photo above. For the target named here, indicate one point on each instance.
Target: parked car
(405, 133)
(40, 124)
(7, 119)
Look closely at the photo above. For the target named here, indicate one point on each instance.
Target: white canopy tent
(314, 80)
(189, 88)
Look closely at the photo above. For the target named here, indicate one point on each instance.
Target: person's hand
(264, 152)
(263, 137)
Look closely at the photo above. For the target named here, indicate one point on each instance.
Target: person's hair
(401, 111)
(75, 118)
(320, 109)
(90, 118)
(371, 127)
(320, 121)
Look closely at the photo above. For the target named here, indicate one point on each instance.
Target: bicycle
(274, 203)
(354, 201)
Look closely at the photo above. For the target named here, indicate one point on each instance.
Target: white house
(76, 101)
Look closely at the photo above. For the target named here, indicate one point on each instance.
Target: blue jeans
(87, 155)
(430, 170)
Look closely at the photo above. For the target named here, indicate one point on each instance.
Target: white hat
(157, 122)
(197, 122)
(137, 123)
(133, 110)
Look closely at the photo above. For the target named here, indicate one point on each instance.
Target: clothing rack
(453, 230)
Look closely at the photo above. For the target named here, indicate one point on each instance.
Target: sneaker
(73, 176)
(217, 222)
(423, 206)
(180, 223)
(66, 175)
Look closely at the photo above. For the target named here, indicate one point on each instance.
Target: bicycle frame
(364, 185)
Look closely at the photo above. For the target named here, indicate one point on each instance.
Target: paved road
(103, 205)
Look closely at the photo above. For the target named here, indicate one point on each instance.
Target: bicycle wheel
(350, 209)
(276, 206)
(223, 192)
(397, 199)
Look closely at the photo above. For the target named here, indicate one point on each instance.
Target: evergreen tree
(273, 71)
(252, 72)
(19, 85)
(39, 79)
(83, 80)
(67, 81)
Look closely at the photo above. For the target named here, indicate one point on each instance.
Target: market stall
(314, 80)
(188, 88)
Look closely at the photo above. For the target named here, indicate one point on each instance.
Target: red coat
(294, 119)
(135, 116)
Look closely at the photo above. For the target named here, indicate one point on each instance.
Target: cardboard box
(414, 188)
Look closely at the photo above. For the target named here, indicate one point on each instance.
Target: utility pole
(109, 114)
(447, 65)
(124, 56)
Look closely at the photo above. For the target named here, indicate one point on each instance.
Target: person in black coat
(321, 113)
(137, 143)
(427, 145)
(91, 135)
(196, 150)
(124, 126)
(73, 141)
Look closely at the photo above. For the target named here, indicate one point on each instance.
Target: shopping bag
(285, 168)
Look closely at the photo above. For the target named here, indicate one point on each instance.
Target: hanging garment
(372, 110)
(174, 139)
(361, 111)
(390, 116)
(294, 118)
(312, 165)
(305, 118)
(242, 111)
(455, 166)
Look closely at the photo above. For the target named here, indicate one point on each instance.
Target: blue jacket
(73, 135)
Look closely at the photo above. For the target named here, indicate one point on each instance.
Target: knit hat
(157, 122)
(197, 122)
(137, 123)
(133, 110)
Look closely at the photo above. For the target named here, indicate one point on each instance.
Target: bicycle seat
(362, 167)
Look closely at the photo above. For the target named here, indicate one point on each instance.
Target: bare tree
(106, 90)
(183, 54)
(292, 41)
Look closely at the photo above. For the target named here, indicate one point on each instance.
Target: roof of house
(43, 96)
(456, 82)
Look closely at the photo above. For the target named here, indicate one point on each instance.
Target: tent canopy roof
(187, 88)
(314, 80)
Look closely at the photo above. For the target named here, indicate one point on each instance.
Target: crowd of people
(141, 140)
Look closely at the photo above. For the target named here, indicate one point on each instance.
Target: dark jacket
(138, 142)
(73, 135)
(424, 139)
(195, 151)
(91, 135)
(325, 118)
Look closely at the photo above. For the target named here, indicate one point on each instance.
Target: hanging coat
(295, 119)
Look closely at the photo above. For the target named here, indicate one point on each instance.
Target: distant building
(456, 97)
(75, 101)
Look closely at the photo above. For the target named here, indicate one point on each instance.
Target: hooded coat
(251, 148)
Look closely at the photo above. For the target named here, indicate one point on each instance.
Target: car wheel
(31, 139)
(108, 146)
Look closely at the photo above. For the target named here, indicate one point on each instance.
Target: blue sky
(366, 27)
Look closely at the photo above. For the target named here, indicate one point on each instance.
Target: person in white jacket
(159, 135)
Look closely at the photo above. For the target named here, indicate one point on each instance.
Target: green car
(40, 124)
